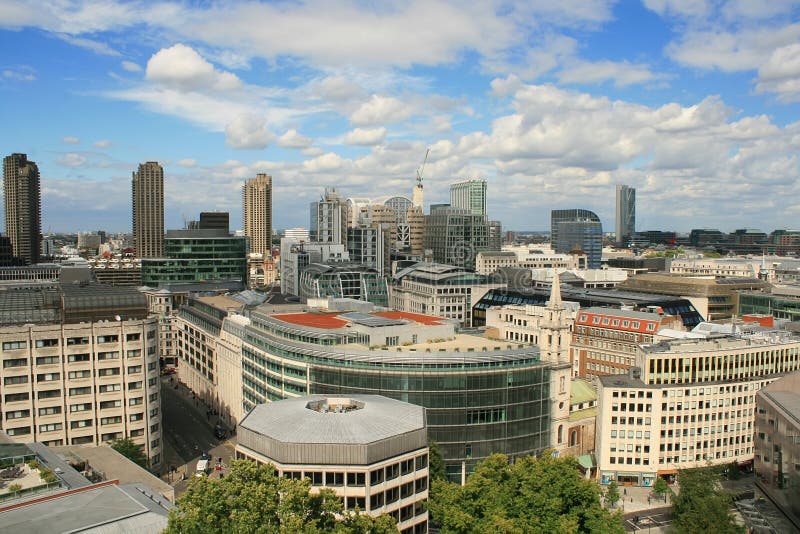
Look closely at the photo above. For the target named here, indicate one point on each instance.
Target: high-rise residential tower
(258, 213)
(23, 207)
(148, 210)
(469, 195)
(626, 214)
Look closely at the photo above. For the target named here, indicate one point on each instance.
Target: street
(188, 432)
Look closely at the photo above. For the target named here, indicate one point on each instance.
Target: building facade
(577, 229)
(80, 367)
(469, 195)
(626, 215)
(687, 403)
(147, 198)
(23, 207)
(328, 218)
(372, 451)
(777, 444)
(257, 217)
(454, 235)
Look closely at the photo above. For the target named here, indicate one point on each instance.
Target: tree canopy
(537, 495)
(130, 450)
(702, 505)
(253, 499)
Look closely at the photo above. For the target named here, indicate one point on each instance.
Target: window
(108, 388)
(356, 479)
(13, 345)
(18, 414)
(82, 440)
(15, 380)
(46, 343)
(15, 362)
(48, 377)
(50, 410)
(104, 405)
(80, 391)
(134, 385)
(134, 369)
(392, 471)
(109, 371)
(77, 341)
(111, 436)
(134, 336)
(136, 417)
(136, 433)
(16, 397)
(79, 374)
(133, 353)
(111, 420)
(334, 479)
(113, 355)
(86, 406)
(108, 339)
(50, 427)
(83, 423)
(19, 431)
(48, 394)
(135, 401)
(47, 360)
(375, 477)
(422, 462)
(78, 358)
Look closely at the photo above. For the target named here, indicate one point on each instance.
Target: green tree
(661, 488)
(531, 495)
(702, 505)
(130, 450)
(253, 499)
(435, 462)
(612, 493)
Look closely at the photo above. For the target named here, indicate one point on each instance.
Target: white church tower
(554, 343)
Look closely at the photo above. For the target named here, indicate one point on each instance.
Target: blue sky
(695, 103)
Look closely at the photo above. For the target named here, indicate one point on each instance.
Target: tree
(435, 462)
(701, 505)
(130, 450)
(612, 493)
(539, 495)
(252, 498)
(661, 488)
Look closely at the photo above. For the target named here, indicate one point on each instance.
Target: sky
(694, 103)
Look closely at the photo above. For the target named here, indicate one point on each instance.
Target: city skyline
(694, 106)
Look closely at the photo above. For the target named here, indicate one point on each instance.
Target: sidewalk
(637, 499)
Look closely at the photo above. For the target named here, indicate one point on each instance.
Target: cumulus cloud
(781, 73)
(365, 136)
(70, 140)
(102, 143)
(293, 139)
(248, 131)
(380, 110)
(187, 162)
(71, 159)
(181, 67)
(621, 73)
(325, 163)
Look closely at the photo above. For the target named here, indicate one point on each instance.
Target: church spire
(555, 292)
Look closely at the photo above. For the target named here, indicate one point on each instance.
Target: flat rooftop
(336, 320)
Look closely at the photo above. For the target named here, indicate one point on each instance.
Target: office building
(626, 215)
(687, 403)
(442, 290)
(469, 195)
(328, 218)
(257, 215)
(148, 210)
(23, 207)
(777, 444)
(297, 255)
(372, 451)
(80, 367)
(577, 230)
(344, 280)
(298, 234)
(779, 301)
(455, 235)
(214, 220)
(198, 256)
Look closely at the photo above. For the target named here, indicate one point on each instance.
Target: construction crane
(422, 168)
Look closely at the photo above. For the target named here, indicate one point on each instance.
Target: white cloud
(181, 67)
(365, 136)
(187, 162)
(781, 73)
(130, 66)
(312, 152)
(622, 73)
(98, 47)
(325, 163)
(102, 143)
(248, 131)
(293, 139)
(380, 110)
(71, 159)
(20, 74)
(70, 140)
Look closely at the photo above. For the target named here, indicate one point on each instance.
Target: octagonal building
(371, 450)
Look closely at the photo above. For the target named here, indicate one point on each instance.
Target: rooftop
(297, 421)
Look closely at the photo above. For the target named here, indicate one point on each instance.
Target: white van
(202, 468)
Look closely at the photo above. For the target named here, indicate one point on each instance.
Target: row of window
(71, 341)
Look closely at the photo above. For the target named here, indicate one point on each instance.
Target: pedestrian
(648, 499)
(625, 491)
(631, 499)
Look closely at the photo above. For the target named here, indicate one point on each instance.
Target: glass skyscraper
(626, 214)
(577, 229)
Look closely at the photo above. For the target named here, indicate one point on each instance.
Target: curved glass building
(482, 396)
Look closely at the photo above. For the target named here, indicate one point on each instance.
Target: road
(188, 432)
(653, 520)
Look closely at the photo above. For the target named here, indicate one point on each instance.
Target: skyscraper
(148, 210)
(469, 195)
(258, 213)
(23, 207)
(626, 214)
(328, 218)
(577, 229)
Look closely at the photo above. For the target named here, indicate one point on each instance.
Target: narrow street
(188, 432)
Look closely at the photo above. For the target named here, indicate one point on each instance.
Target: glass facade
(195, 259)
(780, 307)
(477, 405)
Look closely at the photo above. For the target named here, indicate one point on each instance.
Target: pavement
(189, 432)
(637, 499)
